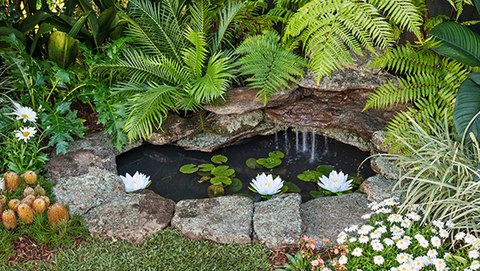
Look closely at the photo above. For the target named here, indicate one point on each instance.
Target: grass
(167, 250)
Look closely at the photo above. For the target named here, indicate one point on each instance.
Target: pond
(303, 151)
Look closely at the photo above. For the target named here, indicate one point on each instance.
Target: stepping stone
(378, 188)
(87, 191)
(223, 219)
(131, 217)
(326, 217)
(277, 222)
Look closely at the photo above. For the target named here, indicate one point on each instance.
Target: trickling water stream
(162, 162)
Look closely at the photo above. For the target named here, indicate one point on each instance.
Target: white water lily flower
(266, 185)
(136, 182)
(24, 113)
(25, 133)
(335, 182)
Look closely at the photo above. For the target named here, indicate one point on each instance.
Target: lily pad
(223, 171)
(215, 191)
(189, 169)
(236, 185)
(316, 194)
(324, 169)
(219, 159)
(206, 167)
(218, 180)
(276, 154)
(309, 176)
(269, 162)
(252, 163)
(292, 188)
(204, 179)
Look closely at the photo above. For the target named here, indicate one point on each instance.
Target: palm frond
(194, 57)
(226, 17)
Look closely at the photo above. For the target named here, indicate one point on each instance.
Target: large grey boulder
(378, 188)
(85, 192)
(234, 123)
(277, 222)
(223, 219)
(378, 142)
(383, 165)
(175, 128)
(326, 217)
(131, 217)
(93, 151)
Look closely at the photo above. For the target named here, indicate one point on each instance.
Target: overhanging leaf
(458, 42)
(467, 105)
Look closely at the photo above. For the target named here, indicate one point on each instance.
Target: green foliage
(467, 107)
(329, 30)
(438, 165)
(270, 66)
(315, 174)
(168, 249)
(429, 84)
(273, 160)
(220, 176)
(176, 61)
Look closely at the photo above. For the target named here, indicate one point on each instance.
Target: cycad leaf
(467, 106)
(457, 42)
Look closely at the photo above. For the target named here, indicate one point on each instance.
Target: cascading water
(287, 142)
(304, 140)
(296, 139)
(313, 150)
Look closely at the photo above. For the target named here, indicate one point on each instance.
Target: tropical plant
(176, 61)
(428, 84)
(330, 31)
(269, 65)
(441, 174)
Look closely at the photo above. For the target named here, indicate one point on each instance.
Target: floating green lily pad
(223, 171)
(236, 185)
(189, 169)
(252, 163)
(316, 194)
(215, 191)
(292, 188)
(206, 167)
(219, 159)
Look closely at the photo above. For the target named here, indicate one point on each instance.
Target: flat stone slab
(277, 222)
(326, 217)
(94, 151)
(234, 123)
(223, 219)
(85, 192)
(378, 188)
(385, 167)
(131, 217)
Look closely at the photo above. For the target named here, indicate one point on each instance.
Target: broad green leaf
(252, 163)
(218, 180)
(467, 105)
(204, 179)
(206, 167)
(215, 191)
(316, 194)
(269, 162)
(309, 176)
(188, 169)
(458, 42)
(219, 159)
(324, 170)
(223, 171)
(276, 154)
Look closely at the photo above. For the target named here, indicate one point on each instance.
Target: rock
(234, 123)
(347, 137)
(85, 192)
(241, 100)
(326, 217)
(206, 142)
(342, 110)
(94, 151)
(378, 188)
(131, 217)
(385, 167)
(277, 222)
(378, 142)
(175, 128)
(223, 219)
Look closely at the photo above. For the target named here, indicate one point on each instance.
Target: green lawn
(168, 250)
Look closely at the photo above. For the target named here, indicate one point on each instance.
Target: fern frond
(226, 18)
(194, 57)
(147, 109)
(350, 26)
(270, 66)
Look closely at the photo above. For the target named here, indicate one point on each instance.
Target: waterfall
(313, 151)
(325, 146)
(287, 145)
(304, 140)
(296, 139)
(276, 139)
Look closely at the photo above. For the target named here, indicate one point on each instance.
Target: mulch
(279, 257)
(85, 111)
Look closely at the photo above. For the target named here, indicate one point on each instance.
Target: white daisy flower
(378, 260)
(473, 254)
(357, 252)
(436, 242)
(24, 113)
(25, 133)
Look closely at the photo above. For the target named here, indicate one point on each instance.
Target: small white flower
(432, 253)
(357, 252)
(352, 239)
(136, 182)
(459, 236)
(365, 229)
(473, 254)
(475, 265)
(423, 243)
(443, 233)
(343, 260)
(440, 264)
(376, 245)
(342, 237)
(439, 224)
(366, 216)
(436, 242)
(266, 185)
(378, 260)
(469, 239)
(352, 228)
(375, 234)
(363, 239)
(24, 113)
(414, 216)
(335, 182)
(403, 244)
(383, 211)
(25, 133)
(403, 257)
(388, 242)
(450, 224)
(406, 223)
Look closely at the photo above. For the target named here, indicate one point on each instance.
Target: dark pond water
(302, 150)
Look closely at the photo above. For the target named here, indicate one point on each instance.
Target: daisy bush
(390, 240)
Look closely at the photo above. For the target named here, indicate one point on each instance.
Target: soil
(279, 258)
(26, 249)
(85, 111)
